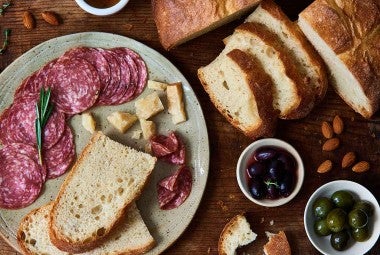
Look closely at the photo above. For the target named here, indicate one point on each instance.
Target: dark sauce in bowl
(102, 4)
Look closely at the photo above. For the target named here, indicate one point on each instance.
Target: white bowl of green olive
(342, 217)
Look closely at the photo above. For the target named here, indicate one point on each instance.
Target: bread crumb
(222, 206)
(208, 250)
(231, 196)
(128, 26)
(271, 222)
(136, 134)
(262, 220)
(88, 122)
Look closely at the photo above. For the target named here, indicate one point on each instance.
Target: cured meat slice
(59, 157)
(169, 148)
(20, 180)
(174, 190)
(35, 82)
(27, 150)
(75, 85)
(18, 124)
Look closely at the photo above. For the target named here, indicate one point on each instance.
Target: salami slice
(20, 180)
(75, 85)
(169, 148)
(18, 124)
(174, 190)
(59, 157)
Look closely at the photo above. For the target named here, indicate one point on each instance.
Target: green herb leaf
(7, 32)
(3, 7)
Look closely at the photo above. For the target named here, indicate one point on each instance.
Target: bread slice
(130, 237)
(238, 87)
(181, 21)
(277, 245)
(347, 36)
(107, 178)
(292, 96)
(236, 233)
(308, 62)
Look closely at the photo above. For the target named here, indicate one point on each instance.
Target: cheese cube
(156, 85)
(176, 106)
(148, 128)
(136, 134)
(148, 106)
(122, 120)
(88, 122)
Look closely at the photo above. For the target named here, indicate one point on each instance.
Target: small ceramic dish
(244, 160)
(102, 11)
(322, 244)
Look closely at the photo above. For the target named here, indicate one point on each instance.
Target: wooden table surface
(222, 198)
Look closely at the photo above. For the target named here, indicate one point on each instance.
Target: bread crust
(180, 21)
(305, 93)
(351, 29)
(313, 57)
(277, 245)
(228, 228)
(65, 244)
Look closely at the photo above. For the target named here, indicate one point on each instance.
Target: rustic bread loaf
(347, 36)
(292, 96)
(107, 178)
(308, 62)
(236, 233)
(181, 21)
(130, 237)
(238, 87)
(277, 245)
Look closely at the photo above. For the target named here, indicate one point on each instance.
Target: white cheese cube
(122, 120)
(156, 85)
(88, 122)
(176, 106)
(148, 128)
(136, 134)
(148, 106)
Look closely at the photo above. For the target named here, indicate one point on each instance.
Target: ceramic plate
(165, 226)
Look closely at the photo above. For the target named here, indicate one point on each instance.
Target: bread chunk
(176, 106)
(181, 21)
(238, 87)
(106, 179)
(130, 237)
(236, 233)
(277, 245)
(122, 121)
(88, 122)
(156, 85)
(347, 36)
(148, 128)
(148, 106)
(307, 60)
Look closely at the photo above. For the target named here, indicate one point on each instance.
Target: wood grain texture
(222, 199)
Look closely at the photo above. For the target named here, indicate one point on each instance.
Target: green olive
(336, 220)
(322, 206)
(343, 199)
(357, 218)
(360, 234)
(321, 228)
(339, 240)
(364, 206)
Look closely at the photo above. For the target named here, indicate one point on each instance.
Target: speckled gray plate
(165, 226)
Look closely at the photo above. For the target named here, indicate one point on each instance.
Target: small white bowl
(322, 244)
(246, 155)
(101, 11)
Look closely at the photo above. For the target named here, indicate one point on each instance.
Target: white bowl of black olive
(342, 217)
(102, 7)
(270, 172)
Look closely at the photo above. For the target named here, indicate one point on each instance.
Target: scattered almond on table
(327, 130)
(338, 125)
(361, 167)
(51, 17)
(331, 144)
(325, 167)
(348, 159)
(28, 20)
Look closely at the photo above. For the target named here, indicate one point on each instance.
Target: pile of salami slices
(80, 79)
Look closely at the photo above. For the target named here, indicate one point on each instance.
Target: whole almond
(50, 17)
(348, 159)
(28, 20)
(338, 125)
(361, 167)
(331, 144)
(327, 130)
(325, 167)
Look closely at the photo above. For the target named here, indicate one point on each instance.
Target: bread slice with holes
(292, 96)
(106, 179)
(307, 60)
(277, 245)
(238, 87)
(131, 236)
(236, 233)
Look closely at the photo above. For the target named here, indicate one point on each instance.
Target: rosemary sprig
(43, 111)
(7, 32)
(3, 7)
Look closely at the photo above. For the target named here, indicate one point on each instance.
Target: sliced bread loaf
(308, 62)
(292, 96)
(107, 178)
(347, 36)
(236, 233)
(238, 87)
(131, 236)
